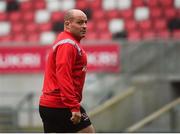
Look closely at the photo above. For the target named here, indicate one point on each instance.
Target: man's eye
(80, 22)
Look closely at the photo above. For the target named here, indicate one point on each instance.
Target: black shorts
(57, 120)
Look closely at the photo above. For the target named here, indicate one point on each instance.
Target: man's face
(78, 26)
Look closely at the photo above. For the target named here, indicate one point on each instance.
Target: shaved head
(75, 22)
(70, 14)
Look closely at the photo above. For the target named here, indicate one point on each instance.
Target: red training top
(64, 74)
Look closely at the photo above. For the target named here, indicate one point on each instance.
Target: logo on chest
(84, 69)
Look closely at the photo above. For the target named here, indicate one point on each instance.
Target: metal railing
(154, 116)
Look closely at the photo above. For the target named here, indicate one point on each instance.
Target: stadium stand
(31, 20)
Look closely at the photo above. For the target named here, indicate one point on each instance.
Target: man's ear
(67, 24)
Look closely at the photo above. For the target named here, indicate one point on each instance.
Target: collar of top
(71, 35)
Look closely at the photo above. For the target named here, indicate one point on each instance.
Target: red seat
(26, 6)
(91, 36)
(176, 34)
(91, 26)
(17, 28)
(3, 16)
(102, 25)
(19, 37)
(178, 12)
(45, 27)
(134, 35)
(31, 28)
(156, 12)
(160, 24)
(15, 16)
(99, 14)
(152, 3)
(105, 36)
(166, 3)
(112, 14)
(150, 34)
(127, 14)
(164, 34)
(57, 16)
(170, 13)
(33, 37)
(145, 25)
(136, 3)
(95, 5)
(39, 4)
(81, 4)
(131, 25)
(28, 16)
(5, 38)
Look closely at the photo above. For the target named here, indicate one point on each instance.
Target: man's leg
(89, 129)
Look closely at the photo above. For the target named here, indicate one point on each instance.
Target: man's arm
(65, 59)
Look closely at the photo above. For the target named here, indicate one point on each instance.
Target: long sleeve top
(64, 74)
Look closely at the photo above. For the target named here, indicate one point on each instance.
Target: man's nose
(84, 25)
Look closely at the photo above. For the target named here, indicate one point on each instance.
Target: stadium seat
(28, 16)
(19, 37)
(68, 4)
(124, 4)
(127, 14)
(160, 24)
(92, 36)
(178, 12)
(3, 16)
(39, 4)
(137, 3)
(33, 37)
(102, 25)
(57, 26)
(156, 12)
(5, 28)
(166, 3)
(106, 18)
(31, 28)
(98, 15)
(95, 4)
(53, 6)
(177, 4)
(116, 25)
(17, 28)
(176, 34)
(164, 34)
(113, 14)
(170, 13)
(106, 5)
(145, 25)
(81, 4)
(45, 27)
(56, 16)
(141, 13)
(152, 3)
(134, 35)
(105, 36)
(6, 38)
(15, 16)
(3, 6)
(57, 5)
(42, 16)
(131, 25)
(91, 26)
(26, 6)
(47, 38)
(148, 34)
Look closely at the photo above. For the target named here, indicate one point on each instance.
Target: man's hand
(76, 117)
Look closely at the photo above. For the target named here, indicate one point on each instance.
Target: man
(65, 72)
